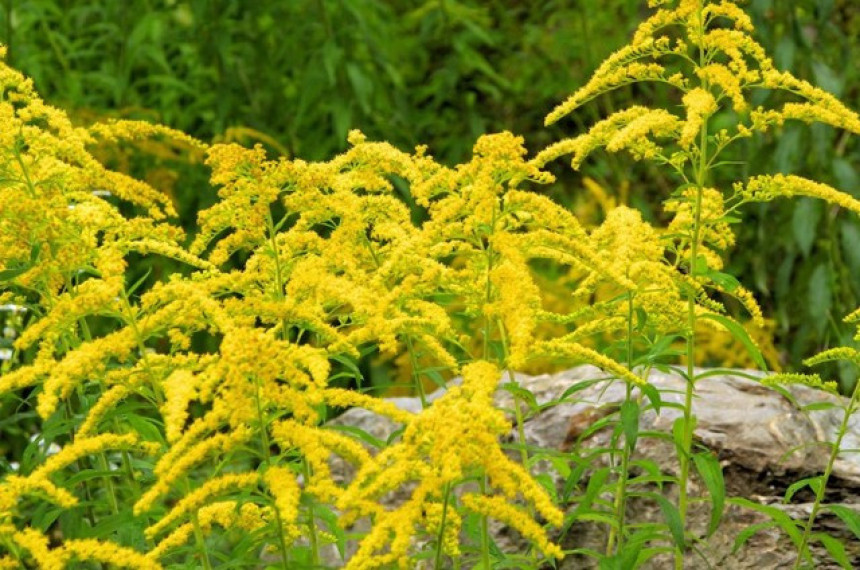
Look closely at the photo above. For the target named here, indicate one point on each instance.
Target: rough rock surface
(762, 439)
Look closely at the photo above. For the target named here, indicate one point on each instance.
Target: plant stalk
(440, 536)
(620, 504)
(822, 486)
(687, 442)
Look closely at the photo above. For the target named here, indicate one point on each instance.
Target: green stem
(620, 504)
(416, 377)
(687, 441)
(199, 539)
(141, 347)
(485, 532)
(822, 486)
(688, 422)
(267, 455)
(30, 186)
(485, 524)
(103, 464)
(518, 414)
(312, 529)
(264, 428)
(441, 535)
(126, 459)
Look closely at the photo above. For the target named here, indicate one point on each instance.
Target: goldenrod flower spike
(119, 130)
(107, 401)
(286, 492)
(452, 439)
(700, 104)
(620, 69)
(80, 550)
(226, 514)
(766, 188)
(168, 478)
(834, 354)
(198, 498)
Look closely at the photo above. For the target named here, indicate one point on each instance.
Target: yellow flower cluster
(623, 68)
(700, 104)
(81, 550)
(226, 514)
(455, 438)
(714, 234)
(197, 499)
(14, 487)
(766, 188)
(634, 248)
(286, 492)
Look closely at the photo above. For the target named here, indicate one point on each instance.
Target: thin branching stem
(620, 503)
(802, 551)
(688, 418)
(264, 428)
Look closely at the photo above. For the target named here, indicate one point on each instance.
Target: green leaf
(332, 527)
(835, 548)
(332, 56)
(701, 265)
(13, 272)
(722, 280)
(349, 364)
(34, 253)
(653, 394)
(436, 377)
(136, 285)
(673, 519)
(819, 406)
(850, 233)
(678, 433)
(652, 472)
(578, 387)
(595, 485)
(149, 429)
(561, 465)
(849, 516)
(748, 532)
(624, 560)
(788, 153)
(784, 53)
(827, 78)
(820, 297)
(711, 472)
(738, 332)
(846, 176)
(811, 482)
(805, 220)
(359, 434)
(573, 480)
(521, 394)
(788, 525)
(630, 422)
(361, 85)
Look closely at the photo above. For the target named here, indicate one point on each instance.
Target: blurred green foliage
(298, 74)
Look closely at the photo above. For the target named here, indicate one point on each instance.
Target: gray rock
(762, 438)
